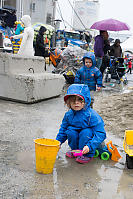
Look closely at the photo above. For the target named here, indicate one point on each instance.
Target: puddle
(25, 160)
(97, 180)
(109, 183)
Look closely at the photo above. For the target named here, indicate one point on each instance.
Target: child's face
(88, 63)
(77, 103)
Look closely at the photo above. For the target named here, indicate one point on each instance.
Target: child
(130, 66)
(81, 125)
(89, 74)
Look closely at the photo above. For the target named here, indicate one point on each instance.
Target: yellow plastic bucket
(46, 151)
(128, 142)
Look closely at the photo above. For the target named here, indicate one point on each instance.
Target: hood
(90, 55)
(81, 90)
(26, 20)
(42, 30)
(117, 41)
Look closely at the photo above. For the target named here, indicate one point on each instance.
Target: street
(22, 123)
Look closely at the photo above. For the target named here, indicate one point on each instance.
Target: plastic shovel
(113, 150)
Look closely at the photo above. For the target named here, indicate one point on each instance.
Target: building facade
(86, 13)
(40, 10)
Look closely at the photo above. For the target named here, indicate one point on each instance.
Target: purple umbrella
(110, 24)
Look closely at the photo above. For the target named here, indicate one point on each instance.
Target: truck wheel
(105, 156)
(96, 154)
(129, 161)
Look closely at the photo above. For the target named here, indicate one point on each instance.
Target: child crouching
(81, 125)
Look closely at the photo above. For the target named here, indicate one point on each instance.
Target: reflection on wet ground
(21, 124)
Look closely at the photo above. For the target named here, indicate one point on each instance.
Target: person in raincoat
(26, 48)
(99, 47)
(81, 125)
(89, 74)
(40, 45)
(115, 49)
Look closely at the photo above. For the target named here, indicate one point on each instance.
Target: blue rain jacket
(90, 76)
(86, 119)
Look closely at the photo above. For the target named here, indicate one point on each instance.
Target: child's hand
(98, 88)
(85, 150)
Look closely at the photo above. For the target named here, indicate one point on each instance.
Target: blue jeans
(99, 62)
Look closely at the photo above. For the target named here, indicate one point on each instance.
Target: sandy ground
(20, 124)
(117, 112)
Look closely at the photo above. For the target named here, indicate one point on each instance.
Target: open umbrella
(110, 24)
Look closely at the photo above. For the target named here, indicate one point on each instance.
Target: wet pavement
(21, 124)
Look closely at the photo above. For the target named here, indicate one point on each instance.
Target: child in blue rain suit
(89, 74)
(81, 125)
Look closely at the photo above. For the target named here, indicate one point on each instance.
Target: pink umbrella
(110, 24)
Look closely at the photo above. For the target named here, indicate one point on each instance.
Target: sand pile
(117, 112)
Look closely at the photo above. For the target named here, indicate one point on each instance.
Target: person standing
(40, 44)
(89, 74)
(115, 49)
(99, 47)
(106, 49)
(130, 66)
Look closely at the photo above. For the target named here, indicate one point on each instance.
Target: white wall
(37, 9)
(88, 13)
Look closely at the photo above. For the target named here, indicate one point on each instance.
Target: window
(49, 18)
(32, 7)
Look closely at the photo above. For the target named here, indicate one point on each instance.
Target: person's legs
(99, 62)
(73, 139)
(84, 136)
(92, 98)
(105, 64)
(128, 70)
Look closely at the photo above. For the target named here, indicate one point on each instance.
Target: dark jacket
(115, 51)
(39, 45)
(98, 46)
(10, 20)
(106, 46)
(83, 119)
(90, 76)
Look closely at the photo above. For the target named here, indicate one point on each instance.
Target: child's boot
(69, 154)
(83, 159)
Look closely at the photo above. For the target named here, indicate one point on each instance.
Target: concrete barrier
(24, 79)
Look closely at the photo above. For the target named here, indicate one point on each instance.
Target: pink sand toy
(77, 153)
